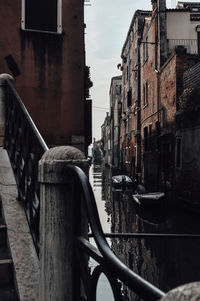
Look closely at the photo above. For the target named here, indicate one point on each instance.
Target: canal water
(164, 262)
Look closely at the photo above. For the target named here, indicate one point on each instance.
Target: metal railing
(25, 147)
(108, 263)
(190, 44)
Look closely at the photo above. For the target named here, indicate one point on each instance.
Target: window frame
(145, 94)
(59, 19)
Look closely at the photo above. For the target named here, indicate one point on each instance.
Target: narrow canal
(165, 262)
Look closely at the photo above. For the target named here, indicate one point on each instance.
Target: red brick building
(162, 68)
(130, 125)
(159, 47)
(42, 46)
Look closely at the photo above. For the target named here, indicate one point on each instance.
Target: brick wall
(167, 83)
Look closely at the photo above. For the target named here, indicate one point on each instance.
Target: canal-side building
(168, 47)
(115, 119)
(160, 47)
(187, 161)
(106, 140)
(97, 151)
(130, 126)
(42, 46)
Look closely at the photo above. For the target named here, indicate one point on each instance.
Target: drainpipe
(157, 67)
(138, 167)
(162, 30)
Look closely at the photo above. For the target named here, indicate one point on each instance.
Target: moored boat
(149, 199)
(121, 181)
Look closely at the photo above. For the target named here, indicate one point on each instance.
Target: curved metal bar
(136, 283)
(113, 283)
(25, 147)
(27, 116)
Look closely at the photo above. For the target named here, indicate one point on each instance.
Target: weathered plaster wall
(179, 25)
(51, 80)
(188, 175)
(168, 93)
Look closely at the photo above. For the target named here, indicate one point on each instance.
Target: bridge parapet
(4, 78)
(60, 204)
(64, 195)
(186, 292)
(57, 223)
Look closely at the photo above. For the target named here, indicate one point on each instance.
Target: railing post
(186, 292)
(57, 266)
(3, 82)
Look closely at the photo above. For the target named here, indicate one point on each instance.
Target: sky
(107, 24)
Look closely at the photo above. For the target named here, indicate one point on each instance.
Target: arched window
(45, 15)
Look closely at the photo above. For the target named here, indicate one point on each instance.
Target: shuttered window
(42, 15)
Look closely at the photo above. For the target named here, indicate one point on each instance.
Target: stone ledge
(186, 292)
(26, 263)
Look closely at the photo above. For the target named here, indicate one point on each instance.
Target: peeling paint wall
(51, 66)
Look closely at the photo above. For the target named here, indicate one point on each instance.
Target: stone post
(57, 223)
(186, 292)
(3, 82)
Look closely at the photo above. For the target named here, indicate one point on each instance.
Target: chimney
(162, 30)
(154, 5)
(162, 5)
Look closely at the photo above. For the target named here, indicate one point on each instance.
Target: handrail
(28, 117)
(190, 44)
(136, 283)
(25, 147)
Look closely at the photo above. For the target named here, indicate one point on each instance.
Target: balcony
(190, 44)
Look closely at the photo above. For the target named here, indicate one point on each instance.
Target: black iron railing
(108, 263)
(25, 147)
(190, 44)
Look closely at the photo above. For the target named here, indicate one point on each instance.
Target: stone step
(8, 294)
(3, 235)
(7, 287)
(4, 253)
(1, 210)
(6, 273)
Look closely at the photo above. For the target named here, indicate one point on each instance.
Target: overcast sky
(107, 24)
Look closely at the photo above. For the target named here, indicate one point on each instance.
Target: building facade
(106, 140)
(115, 119)
(166, 50)
(130, 126)
(45, 53)
(160, 62)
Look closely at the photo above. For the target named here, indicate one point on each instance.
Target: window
(135, 121)
(126, 131)
(127, 73)
(178, 151)
(146, 49)
(145, 138)
(150, 137)
(129, 98)
(157, 134)
(42, 15)
(145, 94)
(144, 52)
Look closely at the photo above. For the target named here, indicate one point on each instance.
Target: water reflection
(165, 262)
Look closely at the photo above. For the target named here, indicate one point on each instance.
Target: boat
(148, 199)
(121, 181)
